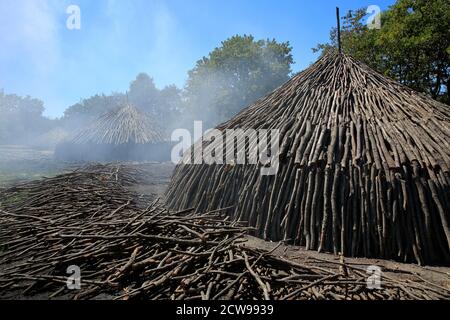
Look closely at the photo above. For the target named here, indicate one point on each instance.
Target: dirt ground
(159, 178)
(400, 271)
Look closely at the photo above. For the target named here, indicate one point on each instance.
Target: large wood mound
(364, 167)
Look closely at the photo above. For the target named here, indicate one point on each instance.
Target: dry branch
(145, 252)
(364, 167)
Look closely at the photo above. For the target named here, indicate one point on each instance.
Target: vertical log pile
(128, 247)
(119, 126)
(124, 133)
(364, 167)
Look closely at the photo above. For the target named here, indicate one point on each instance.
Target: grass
(21, 163)
(9, 178)
(13, 173)
(13, 200)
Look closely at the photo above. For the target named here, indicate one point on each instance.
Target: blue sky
(118, 39)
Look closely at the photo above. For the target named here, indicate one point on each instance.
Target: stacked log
(364, 167)
(129, 248)
(120, 126)
(124, 133)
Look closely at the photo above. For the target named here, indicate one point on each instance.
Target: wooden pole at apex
(338, 18)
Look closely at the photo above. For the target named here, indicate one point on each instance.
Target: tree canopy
(162, 104)
(234, 75)
(412, 46)
(89, 109)
(21, 118)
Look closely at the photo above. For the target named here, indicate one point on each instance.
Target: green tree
(89, 109)
(412, 46)
(143, 93)
(234, 75)
(170, 106)
(163, 105)
(21, 119)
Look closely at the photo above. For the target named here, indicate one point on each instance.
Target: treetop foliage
(412, 46)
(235, 74)
(21, 118)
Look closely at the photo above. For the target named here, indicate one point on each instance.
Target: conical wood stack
(119, 126)
(364, 167)
(122, 134)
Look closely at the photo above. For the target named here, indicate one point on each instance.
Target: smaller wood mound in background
(124, 133)
(364, 167)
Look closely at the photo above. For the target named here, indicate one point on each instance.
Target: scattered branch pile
(364, 167)
(128, 250)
